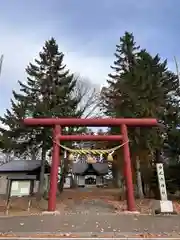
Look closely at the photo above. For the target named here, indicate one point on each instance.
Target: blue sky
(87, 32)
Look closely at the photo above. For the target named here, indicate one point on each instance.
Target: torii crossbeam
(123, 123)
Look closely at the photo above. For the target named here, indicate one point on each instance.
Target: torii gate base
(57, 123)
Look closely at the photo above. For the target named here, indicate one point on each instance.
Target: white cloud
(94, 68)
(21, 48)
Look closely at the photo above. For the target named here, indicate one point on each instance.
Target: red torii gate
(57, 123)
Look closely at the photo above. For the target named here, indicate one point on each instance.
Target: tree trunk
(116, 175)
(139, 179)
(61, 184)
(154, 186)
(41, 181)
(119, 179)
(64, 172)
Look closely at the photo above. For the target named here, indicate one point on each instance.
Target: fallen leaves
(176, 206)
(152, 235)
(3, 235)
(105, 235)
(70, 197)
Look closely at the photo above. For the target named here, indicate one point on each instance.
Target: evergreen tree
(47, 93)
(117, 100)
(140, 87)
(125, 56)
(172, 119)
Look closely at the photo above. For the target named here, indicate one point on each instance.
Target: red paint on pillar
(91, 121)
(54, 169)
(124, 122)
(90, 137)
(128, 171)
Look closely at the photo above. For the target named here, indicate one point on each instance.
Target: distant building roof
(81, 168)
(20, 166)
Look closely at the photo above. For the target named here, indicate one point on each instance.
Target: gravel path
(91, 224)
(91, 218)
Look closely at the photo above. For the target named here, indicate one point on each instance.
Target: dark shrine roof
(82, 168)
(91, 170)
(20, 166)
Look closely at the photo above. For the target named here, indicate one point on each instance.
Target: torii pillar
(123, 123)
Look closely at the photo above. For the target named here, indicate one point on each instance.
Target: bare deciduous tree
(88, 95)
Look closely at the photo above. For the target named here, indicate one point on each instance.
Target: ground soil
(74, 198)
(87, 213)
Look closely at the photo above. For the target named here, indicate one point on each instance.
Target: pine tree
(141, 87)
(116, 100)
(125, 56)
(47, 93)
(172, 119)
